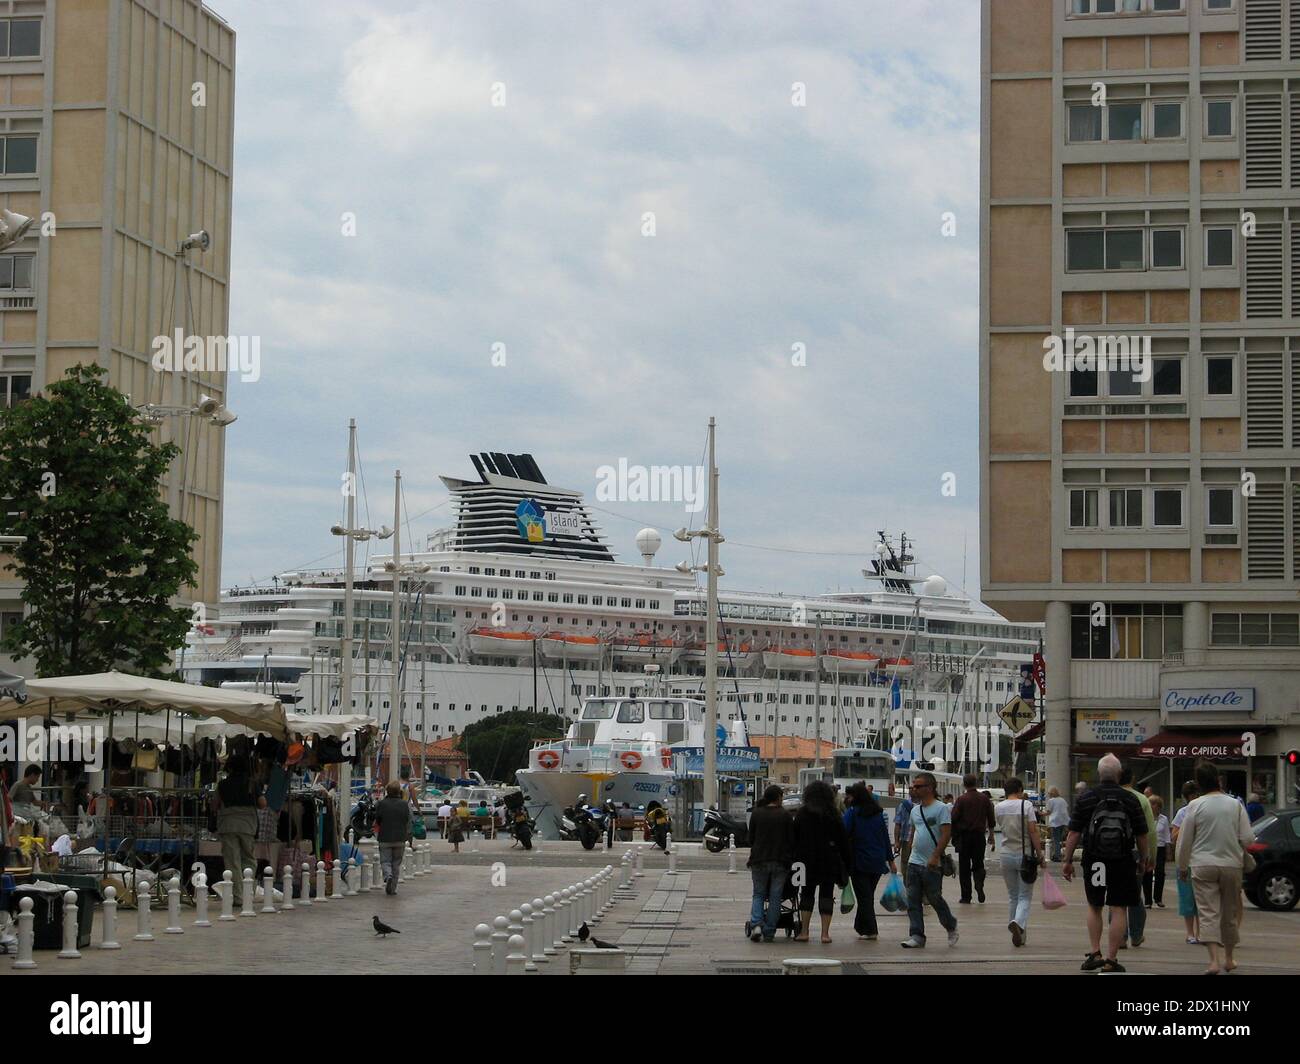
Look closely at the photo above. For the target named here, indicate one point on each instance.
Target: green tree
(498, 746)
(103, 559)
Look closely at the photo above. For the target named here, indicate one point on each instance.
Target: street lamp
(13, 227)
(207, 407)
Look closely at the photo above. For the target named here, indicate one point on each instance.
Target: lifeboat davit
(646, 648)
(562, 645)
(499, 643)
(850, 661)
(791, 659)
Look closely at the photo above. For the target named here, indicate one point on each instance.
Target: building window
(1084, 123)
(1219, 5)
(1125, 631)
(1219, 376)
(1124, 121)
(1218, 118)
(17, 155)
(16, 272)
(1221, 507)
(1125, 507)
(1097, 249)
(1255, 629)
(20, 38)
(1166, 120)
(1167, 507)
(1167, 376)
(1166, 249)
(14, 388)
(1220, 246)
(1083, 507)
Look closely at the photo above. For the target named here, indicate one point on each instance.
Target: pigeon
(584, 933)
(382, 929)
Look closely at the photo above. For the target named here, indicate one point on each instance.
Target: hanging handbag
(1028, 861)
(946, 864)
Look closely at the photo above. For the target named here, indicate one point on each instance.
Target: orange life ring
(548, 759)
(630, 760)
(666, 757)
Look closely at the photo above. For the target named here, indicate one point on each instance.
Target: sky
(579, 230)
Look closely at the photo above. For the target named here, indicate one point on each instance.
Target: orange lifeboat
(563, 645)
(498, 642)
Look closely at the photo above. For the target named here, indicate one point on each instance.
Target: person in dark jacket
(972, 820)
(393, 821)
(771, 849)
(870, 855)
(820, 854)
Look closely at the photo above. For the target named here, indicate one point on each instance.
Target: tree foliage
(103, 559)
(498, 746)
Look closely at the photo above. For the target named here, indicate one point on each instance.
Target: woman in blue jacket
(864, 822)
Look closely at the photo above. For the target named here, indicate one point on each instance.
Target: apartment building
(1140, 180)
(116, 135)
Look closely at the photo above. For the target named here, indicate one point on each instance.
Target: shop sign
(1209, 700)
(1115, 727)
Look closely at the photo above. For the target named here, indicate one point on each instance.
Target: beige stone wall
(1020, 522)
(1020, 395)
(1020, 250)
(1021, 36)
(1020, 119)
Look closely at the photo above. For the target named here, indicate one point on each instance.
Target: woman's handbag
(946, 863)
(1028, 861)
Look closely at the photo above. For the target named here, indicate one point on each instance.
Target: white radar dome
(648, 542)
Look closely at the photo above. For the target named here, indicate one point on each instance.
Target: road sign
(1017, 713)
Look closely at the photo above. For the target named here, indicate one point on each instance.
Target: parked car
(1275, 883)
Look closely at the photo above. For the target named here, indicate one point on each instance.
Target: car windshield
(1263, 824)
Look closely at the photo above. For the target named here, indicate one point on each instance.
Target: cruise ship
(524, 606)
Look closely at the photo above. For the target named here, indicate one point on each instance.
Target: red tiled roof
(789, 748)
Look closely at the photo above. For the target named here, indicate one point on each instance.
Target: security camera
(224, 417)
(682, 567)
(336, 530)
(207, 406)
(682, 535)
(385, 532)
(13, 227)
(199, 240)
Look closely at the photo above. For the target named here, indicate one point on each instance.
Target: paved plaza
(688, 923)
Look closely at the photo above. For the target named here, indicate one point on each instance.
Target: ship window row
(1125, 631)
(520, 595)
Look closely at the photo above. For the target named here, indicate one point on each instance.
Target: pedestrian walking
(393, 823)
(236, 808)
(1255, 808)
(972, 820)
(1022, 852)
(1186, 899)
(821, 853)
(1137, 913)
(1058, 820)
(931, 833)
(456, 826)
(771, 849)
(1212, 854)
(1157, 894)
(1109, 821)
(903, 834)
(870, 855)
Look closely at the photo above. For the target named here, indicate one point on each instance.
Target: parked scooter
(718, 829)
(361, 820)
(583, 822)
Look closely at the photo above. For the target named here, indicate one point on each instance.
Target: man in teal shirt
(931, 833)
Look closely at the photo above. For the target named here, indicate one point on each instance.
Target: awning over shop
(1191, 745)
(1022, 740)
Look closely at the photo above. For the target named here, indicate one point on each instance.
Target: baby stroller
(788, 919)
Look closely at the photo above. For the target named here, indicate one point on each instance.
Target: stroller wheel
(749, 927)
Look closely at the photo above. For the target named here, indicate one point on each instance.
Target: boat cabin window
(863, 768)
(598, 709)
(631, 713)
(667, 711)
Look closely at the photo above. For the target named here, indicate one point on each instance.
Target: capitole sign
(1209, 699)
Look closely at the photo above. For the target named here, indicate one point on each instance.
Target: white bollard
(540, 941)
(405, 873)
(500, 937)
(268, 891)
(516, 925)
(287, 889)
(247, 907)
(527, 910)
(321, 896)
(591, 906)
(549, 941)
(515, 959)
(354, 877)
(339, 889)
(304, 896)
(562, 919)
(364, 885)
(108, 938)
(481, 951)
(174, 907)
(227, 896)
(69, 950)
(199, 883)
(577, 915)
(672, 854)
(731, 855)
(26, 934)
(143, 915)
(640, 862)
(377, 874)
(626, 868)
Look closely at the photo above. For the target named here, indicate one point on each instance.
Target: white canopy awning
(336, 725)
(61, 695)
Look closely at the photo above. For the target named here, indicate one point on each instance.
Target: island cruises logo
(133, 1019)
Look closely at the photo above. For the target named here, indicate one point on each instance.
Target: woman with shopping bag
(870, 855)
(1022, 854)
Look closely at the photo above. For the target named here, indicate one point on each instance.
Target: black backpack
(1110, 832)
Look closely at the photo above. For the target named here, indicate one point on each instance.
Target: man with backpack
(1116, 850)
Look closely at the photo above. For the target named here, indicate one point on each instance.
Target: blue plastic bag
(893, 900)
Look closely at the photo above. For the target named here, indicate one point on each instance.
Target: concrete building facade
(1140, 198)
(116, 124)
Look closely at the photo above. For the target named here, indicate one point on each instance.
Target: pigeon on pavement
(382, 929)
(584, 933)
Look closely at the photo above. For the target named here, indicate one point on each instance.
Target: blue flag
(895, 695)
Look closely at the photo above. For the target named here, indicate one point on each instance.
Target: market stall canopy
(118, 691)
(336, 725)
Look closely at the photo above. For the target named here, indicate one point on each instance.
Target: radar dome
(648, 542)
(934, 587)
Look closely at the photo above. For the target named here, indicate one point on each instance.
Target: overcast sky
(522, 225)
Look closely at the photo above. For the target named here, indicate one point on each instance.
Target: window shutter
(1295, 532)
(1263, 400)
(1295, 130)
(1264, 271)
(1263, 140)
(1295, 398)
(1265, 533)
(1263, 20)
(1294, 43)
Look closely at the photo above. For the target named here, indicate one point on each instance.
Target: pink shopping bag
(1052, 896)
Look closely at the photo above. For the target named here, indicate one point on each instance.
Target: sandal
(826, 940)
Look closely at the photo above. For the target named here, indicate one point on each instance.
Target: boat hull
(548, 793)
(773, 659)
(858, 666)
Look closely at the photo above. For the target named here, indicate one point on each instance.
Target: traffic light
(1293, 758)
